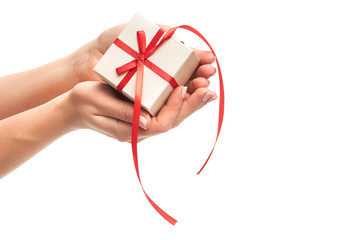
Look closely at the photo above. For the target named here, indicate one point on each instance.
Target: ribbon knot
(141, 57)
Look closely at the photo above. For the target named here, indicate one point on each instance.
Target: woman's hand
(97, 106)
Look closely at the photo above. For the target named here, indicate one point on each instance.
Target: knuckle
(123, 139)
(160, 128)
(165, 128)
(175, 124)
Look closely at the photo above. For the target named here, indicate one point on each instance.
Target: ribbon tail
(167, 217)
(126, 67)
(221, 110)
(134, 136)
(125, 80)
(221, 84)
(136, 115)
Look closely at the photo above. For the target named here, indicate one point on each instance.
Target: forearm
(25, 134)
(25, 90)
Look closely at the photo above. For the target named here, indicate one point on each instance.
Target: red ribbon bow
(137, 66)
(141, 57)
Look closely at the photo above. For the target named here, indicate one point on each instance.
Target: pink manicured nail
(207, 97)
(142, 122)
(183, 92)
(211, 99)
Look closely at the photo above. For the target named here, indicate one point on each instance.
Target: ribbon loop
(141, 37)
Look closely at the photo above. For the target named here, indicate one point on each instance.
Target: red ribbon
(137, 66)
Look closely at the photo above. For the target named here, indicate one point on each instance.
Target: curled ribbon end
(198, 173)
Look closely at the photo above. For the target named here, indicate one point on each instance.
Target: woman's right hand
(97, 106)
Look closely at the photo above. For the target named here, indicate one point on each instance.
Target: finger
(168, 113)
(206, 71)
(107, 37)
(115, 128)
(205, 57)
(197, 100)
(111, 105)
(112, 127)
(196, 83)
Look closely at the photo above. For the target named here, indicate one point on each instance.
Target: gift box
(170, 65)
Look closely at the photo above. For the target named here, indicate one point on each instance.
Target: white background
(287, 162)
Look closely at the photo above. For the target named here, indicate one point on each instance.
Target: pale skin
(40, 105)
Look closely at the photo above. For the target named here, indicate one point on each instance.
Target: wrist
(76, 63)
(67, 114)
(82, 62)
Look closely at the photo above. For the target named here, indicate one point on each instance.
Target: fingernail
(183, 92)
(142, 122)
(213, 72)
(214, 58)
(208, 97)
(212, 99)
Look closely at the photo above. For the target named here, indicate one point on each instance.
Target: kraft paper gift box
(173, 57)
